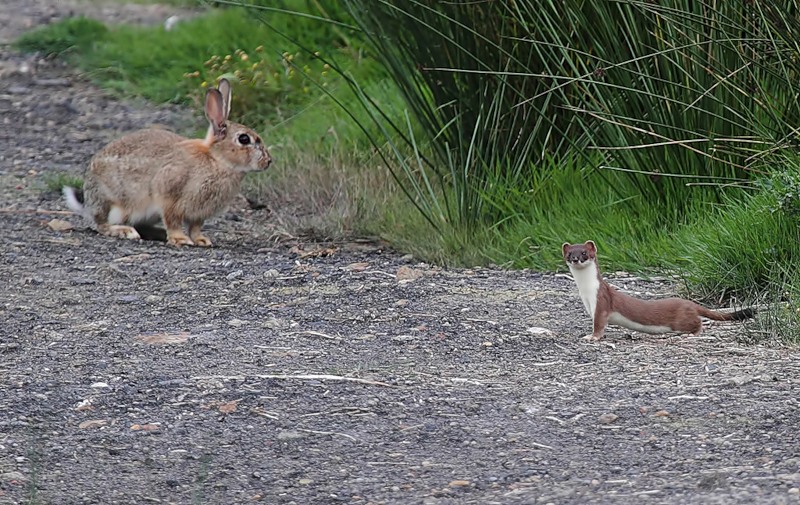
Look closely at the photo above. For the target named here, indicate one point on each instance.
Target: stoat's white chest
(588, 285)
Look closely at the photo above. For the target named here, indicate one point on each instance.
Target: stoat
(607, 305)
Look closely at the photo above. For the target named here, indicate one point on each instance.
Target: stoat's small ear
(590, 245)
(564, 248)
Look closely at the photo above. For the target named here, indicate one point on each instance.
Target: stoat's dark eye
(244, 139)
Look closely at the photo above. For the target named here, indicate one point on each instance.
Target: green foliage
(497, 87)
(473, 122)
(784, 187)
(686, 90)
(55, 181)
(746, 251)
(571, 203)
(152, 62)
(74, 34)
(262, 80)
(742, 246)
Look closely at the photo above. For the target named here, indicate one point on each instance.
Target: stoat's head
(579, 256)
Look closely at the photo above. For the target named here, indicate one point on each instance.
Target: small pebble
(608, 418)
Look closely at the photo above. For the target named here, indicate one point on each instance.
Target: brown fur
(154, 174)
(672, 314)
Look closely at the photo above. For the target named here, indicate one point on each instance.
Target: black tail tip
(741, 315)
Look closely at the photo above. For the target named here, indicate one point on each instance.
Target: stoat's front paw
(592, 338)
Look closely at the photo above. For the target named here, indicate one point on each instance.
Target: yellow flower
(244, 56)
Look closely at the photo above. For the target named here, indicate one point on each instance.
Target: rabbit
(155, 175)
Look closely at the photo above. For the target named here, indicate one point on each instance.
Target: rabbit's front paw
(178, 239)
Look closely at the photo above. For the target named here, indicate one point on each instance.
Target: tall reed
(689, 91)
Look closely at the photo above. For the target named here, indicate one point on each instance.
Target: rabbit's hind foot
(202, 241)
(119, 231)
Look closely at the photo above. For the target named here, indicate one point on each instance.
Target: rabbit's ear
(215, 113)
(224, 88)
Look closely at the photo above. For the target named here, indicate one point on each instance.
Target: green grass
(744, 252)
(75, 35)
(745, 244)
(571, 203)
(55, 181)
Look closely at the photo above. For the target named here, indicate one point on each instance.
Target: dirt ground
(278, 372)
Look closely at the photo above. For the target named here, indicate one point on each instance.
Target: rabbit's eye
(244, 139)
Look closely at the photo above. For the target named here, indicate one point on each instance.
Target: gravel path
(263, 372)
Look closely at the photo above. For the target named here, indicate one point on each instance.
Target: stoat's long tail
(74, 200)
(739, 315)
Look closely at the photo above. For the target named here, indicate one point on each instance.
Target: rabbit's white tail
(74, 202)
